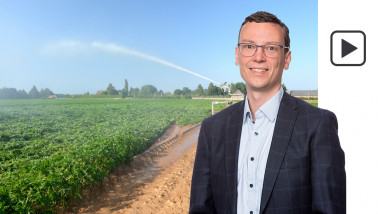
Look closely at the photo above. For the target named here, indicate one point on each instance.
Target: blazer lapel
(232, 142)
(287, 115)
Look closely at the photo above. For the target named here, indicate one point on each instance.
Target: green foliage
(199, 91)
(134, 92)
(220, 107)
(308, 98)
(91, 96)
(312, 100)
(147, 91)
(177, 92)
(125, 90)
(186, 91)
(12, 93)
(34, 93)
(50, 150)
(45, 93)
(111, 90)
(214, 90)
(238, 86)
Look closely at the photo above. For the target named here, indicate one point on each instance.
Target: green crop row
(50, 150)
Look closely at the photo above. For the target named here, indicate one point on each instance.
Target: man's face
(259, 72)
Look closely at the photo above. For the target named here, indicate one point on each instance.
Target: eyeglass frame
(262, 47)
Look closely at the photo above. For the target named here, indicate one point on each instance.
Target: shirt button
(252, 159)
(256, 133)
(251, 185)
(250, 212)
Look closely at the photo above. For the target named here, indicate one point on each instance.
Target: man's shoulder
(311, 113)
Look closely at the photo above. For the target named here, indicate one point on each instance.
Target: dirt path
(157, 181)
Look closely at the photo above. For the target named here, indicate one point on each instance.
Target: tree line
(150, 91)
(34, 93)
(146, 91)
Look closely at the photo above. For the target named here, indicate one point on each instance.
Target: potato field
(50, 150)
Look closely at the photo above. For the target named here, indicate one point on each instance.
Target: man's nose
(259, 55)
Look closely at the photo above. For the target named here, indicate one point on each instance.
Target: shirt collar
(269, 108)
(247, 112)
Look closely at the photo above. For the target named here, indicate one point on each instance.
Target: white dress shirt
(255, 141)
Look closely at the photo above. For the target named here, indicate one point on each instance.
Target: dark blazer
(305, 169)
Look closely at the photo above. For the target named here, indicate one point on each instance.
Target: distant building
(304, 93)
(100, 92)
(237, 95)
(52, 96)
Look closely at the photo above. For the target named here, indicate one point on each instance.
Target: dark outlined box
(346, 39)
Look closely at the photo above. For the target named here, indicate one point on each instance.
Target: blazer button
(252, 159)
(251, 185)
(256, 133)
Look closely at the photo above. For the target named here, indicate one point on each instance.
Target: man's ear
(236, 55)
(287, 60)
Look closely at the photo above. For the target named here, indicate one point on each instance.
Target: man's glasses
(249, 49)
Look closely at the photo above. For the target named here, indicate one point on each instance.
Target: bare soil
(157, 181)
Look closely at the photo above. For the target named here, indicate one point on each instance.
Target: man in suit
(271, 153)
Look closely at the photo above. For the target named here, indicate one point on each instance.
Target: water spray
(122, 50)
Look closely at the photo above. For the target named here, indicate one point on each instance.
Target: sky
(81, 46)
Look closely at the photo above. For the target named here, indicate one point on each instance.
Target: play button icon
(348, 48)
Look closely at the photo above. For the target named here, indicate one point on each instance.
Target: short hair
(263, 17)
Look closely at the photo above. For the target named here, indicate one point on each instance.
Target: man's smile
(259, 69)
